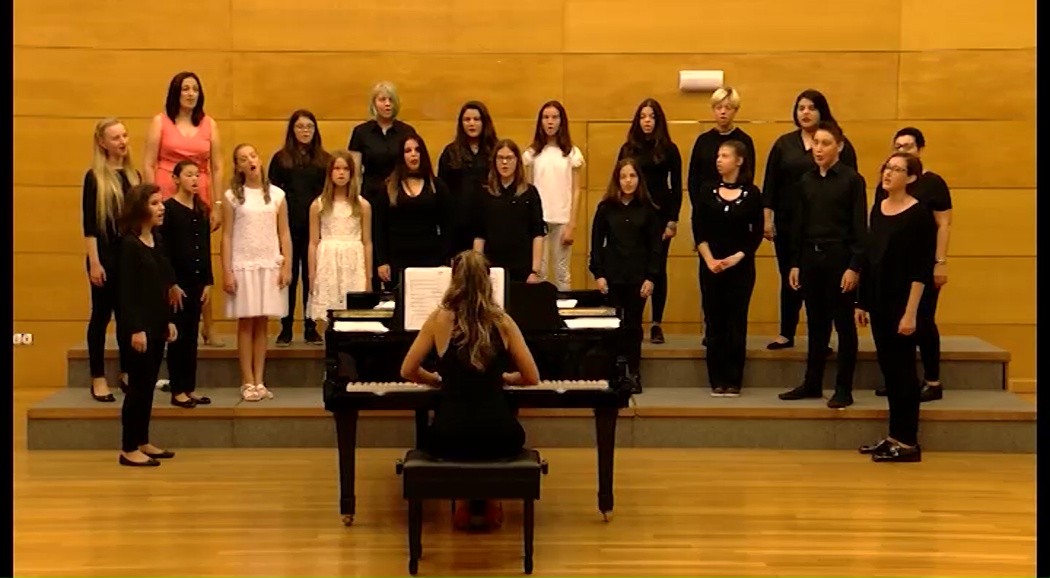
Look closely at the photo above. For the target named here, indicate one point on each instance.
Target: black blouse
(466, 183)
(899, 251)
(663, 178)
(143, 300)
(414, 232)
(788, 161)
(379, 151)
(625, 242)
(108, 237)
(301, 183)
(702, 170)
(509, 223)
(187, 237)
(729, 227)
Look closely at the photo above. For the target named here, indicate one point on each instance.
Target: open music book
(425, 286)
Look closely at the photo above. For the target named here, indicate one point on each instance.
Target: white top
(552, 176)
(340, 223)
(256, 244)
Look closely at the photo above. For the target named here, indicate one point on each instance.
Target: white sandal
(250, 392)
(263, 392)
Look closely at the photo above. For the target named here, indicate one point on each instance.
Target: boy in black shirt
(828, 242)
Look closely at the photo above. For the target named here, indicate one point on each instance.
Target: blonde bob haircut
(726, 94)
(388, 88)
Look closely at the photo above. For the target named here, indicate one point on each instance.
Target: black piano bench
(430, 478)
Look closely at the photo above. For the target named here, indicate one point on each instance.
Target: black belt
(823, 246)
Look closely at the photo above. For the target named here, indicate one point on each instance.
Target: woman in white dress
(340, 253)
(256, 261)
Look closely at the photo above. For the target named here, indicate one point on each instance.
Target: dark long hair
(402, 172)
(460, 150)
(136, 208)
(198, 205)
(820, 102)
(292, 154)
(656, 143)
(562, 137)
(612, 192)
(172, 106)
(469, 298)
(519, 186)
(746, 175)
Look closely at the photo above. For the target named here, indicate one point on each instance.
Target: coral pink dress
(174, 147)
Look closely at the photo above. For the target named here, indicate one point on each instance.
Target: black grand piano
(366, 343)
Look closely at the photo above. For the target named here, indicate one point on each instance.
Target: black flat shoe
(148, 463)
(656, 334)
(931, 393)
(875, 448)
(801, 392)
(124, 387)
(164, 455)
(778, 345)
(896, 453)
(201, 400)
(881, 391)
(103, 398)
(188, 404)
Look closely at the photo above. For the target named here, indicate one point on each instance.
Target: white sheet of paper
(344, 326)
(425, 286)
(593, 323)
(567, 303)
(383, 305)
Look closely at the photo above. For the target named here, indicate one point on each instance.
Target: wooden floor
(678, 513)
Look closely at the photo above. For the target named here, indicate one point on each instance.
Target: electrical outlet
(18, 338)
(27, 339)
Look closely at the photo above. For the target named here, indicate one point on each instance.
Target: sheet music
(344, 326)
(593, 323)
(425, 286)
(567, 303)
(384, 305)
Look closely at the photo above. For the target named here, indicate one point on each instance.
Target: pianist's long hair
(469, 298)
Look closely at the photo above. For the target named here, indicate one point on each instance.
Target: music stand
(534, 306)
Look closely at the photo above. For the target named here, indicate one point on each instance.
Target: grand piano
(571, 335)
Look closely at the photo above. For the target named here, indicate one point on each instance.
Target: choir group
(354, 219)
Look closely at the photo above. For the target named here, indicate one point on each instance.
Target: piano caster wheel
(348, 520)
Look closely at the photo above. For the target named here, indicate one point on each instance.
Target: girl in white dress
(256, 262)
(340, 253)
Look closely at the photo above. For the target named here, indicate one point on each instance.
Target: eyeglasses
(503, 159)
(304, 127)
(894, 169)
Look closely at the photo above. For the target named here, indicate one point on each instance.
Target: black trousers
(300, 266)
(660, 284)
(103, 308)
(896, 355)
(182, 353)
(728, 298)
(927, 334)
(138, 403)
(821, 278)
(790, 300)
(628, 297)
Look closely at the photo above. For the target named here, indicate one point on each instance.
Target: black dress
(474, 419)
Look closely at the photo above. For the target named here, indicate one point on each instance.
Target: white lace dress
(256, 257)
(340, 261)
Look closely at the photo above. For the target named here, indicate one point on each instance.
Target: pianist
(478, 346)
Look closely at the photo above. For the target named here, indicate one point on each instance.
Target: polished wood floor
(678, 513)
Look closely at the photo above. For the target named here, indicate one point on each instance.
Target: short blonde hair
(391, 91)
(726, 93)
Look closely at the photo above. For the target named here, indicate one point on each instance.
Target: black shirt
(412, 234)
(788, 161)
(702, 171)
(465, 186)
(625, 242)
(729, 227)
(187, 236)
(379, 151)
(663, 178)
(143, 300)
(301, 183)
(108, 237)
(831, 209)
(509, 223)
(899, 251)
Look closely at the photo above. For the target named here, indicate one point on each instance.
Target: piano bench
(429, 478)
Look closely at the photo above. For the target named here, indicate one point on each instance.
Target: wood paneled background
(963, 74)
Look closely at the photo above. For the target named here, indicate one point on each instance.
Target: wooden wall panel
(967, 85)
(993, 222)
(480, 26)
(40, 142)
(979, 154)
(122, 24)
(60, 232)
(610, 86)
(50, 287)
(622, 26)
(966, 24)
(989, 291)
(431, 86)
(48, 80)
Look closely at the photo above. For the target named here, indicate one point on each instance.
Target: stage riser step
(787, 373)
(542, 432)
(778, 373)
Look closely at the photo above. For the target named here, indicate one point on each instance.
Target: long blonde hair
(469, 298)
(109, 202)
(353, 191)
(238, 179)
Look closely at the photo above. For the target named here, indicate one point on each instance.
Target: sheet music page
(498, 277)
(424, 288)
(344, 326)
(593, 323)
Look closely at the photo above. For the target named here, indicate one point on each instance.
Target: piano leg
(605, 422)
(346, 437)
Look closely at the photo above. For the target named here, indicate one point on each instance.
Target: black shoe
(778, 345)
(148, 463)
(718, 392)
(931, 393)
(881, 391)
(896, 453)
(102, 398)
(840, 400)
(284, 339)
(732, 392)
(656, 334)
(636, 383)
(123, 387)
(188, 404)
(312, 337)
(704, 341)
(876, 447)
(203, 400)
(164, 455)
(801, 392)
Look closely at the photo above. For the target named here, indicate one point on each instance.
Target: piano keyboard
(559, 386)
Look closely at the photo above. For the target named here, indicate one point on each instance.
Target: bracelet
(941, 262)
